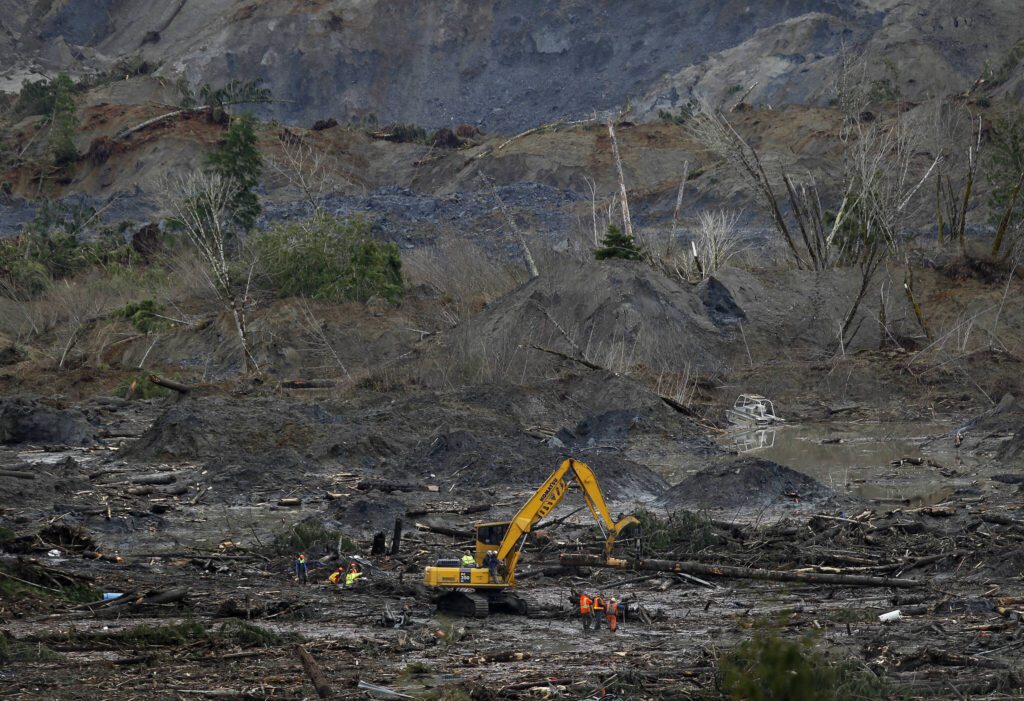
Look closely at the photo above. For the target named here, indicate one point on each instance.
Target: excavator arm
(545, 499)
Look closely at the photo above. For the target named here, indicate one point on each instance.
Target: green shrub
(244, 634)
(616, 244)
(146, 316)
(682, 532)
(238, 160)
(16, 651)
(64, 122)
(48, 248)
(308, 536)
(330, 258)
(35, 97)
(769, 667)
(143, 388)
(1006, 164)
(685, 113)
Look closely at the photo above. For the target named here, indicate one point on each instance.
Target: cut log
(445, 530)
(380, 485)
(323, 688)
(159, 478)
(170, 384)
(18, 475)
(292, 502)
(556, 571)
(699, 568)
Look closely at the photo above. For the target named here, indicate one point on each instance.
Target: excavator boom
(508, 539)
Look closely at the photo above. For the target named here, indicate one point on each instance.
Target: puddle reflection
(860, 458)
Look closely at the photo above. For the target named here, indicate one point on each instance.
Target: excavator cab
(472, 591)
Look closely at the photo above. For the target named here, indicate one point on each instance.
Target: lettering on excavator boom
(552, 496)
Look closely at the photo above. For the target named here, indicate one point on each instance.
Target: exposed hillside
(511, 64)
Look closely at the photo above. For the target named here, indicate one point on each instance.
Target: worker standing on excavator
(468, 560)
(586, 610)
(599, 608)
(491, 563)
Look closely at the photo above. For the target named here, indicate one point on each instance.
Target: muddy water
(870, 460)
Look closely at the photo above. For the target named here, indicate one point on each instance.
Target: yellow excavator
(473, 591)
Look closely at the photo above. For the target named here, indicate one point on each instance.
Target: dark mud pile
(486, 436)
(28, 420)
(998, 433)
(40, 486)
(748, 483)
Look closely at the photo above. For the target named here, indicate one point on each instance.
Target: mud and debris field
(148, 551)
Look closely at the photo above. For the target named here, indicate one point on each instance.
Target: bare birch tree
(201, 206)
(309, 170)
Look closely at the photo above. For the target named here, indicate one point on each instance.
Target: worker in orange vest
(586, 611)
(612, 614)
(599, 609)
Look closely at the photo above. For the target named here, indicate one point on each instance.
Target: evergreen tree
(63, 122)
(239, 162)
(616, 244)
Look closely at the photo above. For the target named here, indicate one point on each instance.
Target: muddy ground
(185, 497)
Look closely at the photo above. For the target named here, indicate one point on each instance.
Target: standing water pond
(909, 463)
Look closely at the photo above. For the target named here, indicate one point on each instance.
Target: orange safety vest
(335, 577)
(613, 609)
(598, 603)
(585, 602)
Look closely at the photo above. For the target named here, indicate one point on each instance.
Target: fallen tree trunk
(738, 572)
(323, 688)
(170, 384)
(160, 478)
(556, 571)
(18, 475)
(444, 530)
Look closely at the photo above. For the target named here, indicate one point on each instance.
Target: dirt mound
(27, 420)
(625, 316)
(49, 484)
(205, 428)
(745, 483)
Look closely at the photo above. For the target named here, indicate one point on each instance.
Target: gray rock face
(506, 64)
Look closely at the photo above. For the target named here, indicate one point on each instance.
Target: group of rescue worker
(349, 578)
(491, 562)
(346, 578)
(594, 608)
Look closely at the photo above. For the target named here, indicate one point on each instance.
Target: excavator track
(462, 603)
(516, 603)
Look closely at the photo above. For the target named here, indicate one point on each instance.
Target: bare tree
(627, 221)
(714, 244)
(309, 170)
(713, 130)
(883, 179)
(200, 204)
(531, 266)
